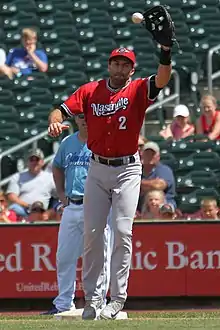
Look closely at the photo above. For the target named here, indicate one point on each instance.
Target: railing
(32, 141)
(173, 97)
(211, 75)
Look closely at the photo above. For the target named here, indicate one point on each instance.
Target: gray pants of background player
(106, 186)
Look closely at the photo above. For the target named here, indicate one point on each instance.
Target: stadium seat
(20, 20)
(104, 4)
(199, 179)
(45, 7)
(202, 160)
(190, 203)
(116, 6)
(49, 37)
(80, 6)
(66, 5)
(36, 96)
(6, 97)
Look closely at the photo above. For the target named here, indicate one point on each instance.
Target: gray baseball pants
(108, 186)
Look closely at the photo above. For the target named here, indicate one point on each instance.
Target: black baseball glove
(158, 22)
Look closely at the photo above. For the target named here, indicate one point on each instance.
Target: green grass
(141, 321)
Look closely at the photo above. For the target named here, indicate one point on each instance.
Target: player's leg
(70, 247)
(96, 208)
(124, 203)
(108, 247)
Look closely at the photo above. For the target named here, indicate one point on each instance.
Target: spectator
(209, 122)
(209, 210)
(28, 59)
(155, 174)
(167, 212)
(152, 201)
(37, 212)
(6, 215)
(30, 186)
(4, 69)
(180, 127)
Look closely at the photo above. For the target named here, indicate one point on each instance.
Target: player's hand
(55, 129)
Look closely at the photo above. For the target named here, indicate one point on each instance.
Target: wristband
(165, 57)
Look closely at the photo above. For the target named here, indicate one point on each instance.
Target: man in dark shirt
(155, 174)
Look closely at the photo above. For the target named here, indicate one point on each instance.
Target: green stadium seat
(119, 20)
(190, 203)
(8, 9)
(35, 113)
(102, 31)
(5, 83)
(202, 160)
(169, 160)
(49, 37)
(7, 112)
(45, 7)
(143, 43)
(20, 20)
(123, 34)
(104, 4)
(66, 5)
(199, 179)
(9, 129)
(66, 32)
(186, 60)
(12, 39)
(99, 16)
(35, 96)
(60, 97)
(80, 6)
(69, 47)
(6, 97)
(34, 129)
(116, 6)
(46, 23)
(23, 84)
(86, 35)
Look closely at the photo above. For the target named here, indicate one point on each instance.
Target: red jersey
(114, 118)
(208, 129)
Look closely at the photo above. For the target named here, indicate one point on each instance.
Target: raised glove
(158, 22)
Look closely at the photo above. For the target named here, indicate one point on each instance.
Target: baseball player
(70, 167)
(114, 111)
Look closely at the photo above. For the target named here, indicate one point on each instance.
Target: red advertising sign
(168, 260)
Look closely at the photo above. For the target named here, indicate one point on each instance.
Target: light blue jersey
(73, 157)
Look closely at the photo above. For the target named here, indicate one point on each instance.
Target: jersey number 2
(122, 120)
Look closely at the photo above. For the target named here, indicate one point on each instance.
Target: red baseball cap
(124, 52)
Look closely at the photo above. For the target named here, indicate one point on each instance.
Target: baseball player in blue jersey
(70, 168)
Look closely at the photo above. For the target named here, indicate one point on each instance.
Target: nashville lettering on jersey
(109, 109)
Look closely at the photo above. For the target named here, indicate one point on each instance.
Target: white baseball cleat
(92, 309)
(111, 311)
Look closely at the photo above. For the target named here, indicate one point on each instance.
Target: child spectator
(180, 127)
(27, 59)
(167, 212)
(209, 210)
(6, 215)
(209, 122)
(151, 207)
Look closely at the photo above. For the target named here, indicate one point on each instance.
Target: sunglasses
(81, 116)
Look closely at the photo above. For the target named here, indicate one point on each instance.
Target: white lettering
(109, 109)
(140, 261)
(198, 262)
(176, 259)
(13, 260)
(42, 257)
(210, 264)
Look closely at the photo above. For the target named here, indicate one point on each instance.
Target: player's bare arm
(59, 180)
(56, 127)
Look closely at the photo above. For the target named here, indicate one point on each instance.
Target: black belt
(115, 161)
(76, 201)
